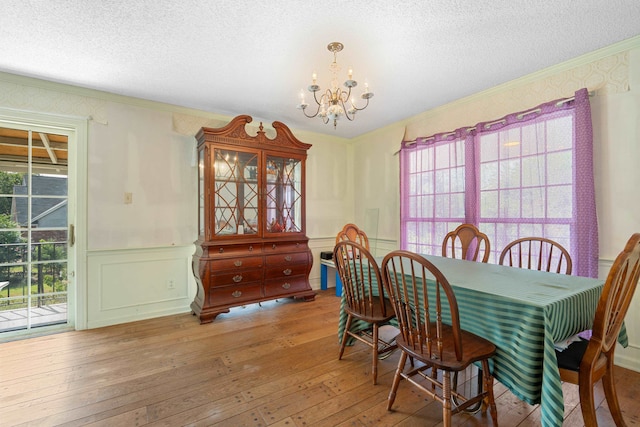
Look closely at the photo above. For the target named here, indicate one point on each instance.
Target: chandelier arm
(315, 98)
(346, 95)
(349, 117)
(360, 109)
(344, 98)
(304, 111)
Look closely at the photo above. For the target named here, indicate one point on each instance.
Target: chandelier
(332, 104)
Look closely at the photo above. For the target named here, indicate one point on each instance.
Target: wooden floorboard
(273, 364)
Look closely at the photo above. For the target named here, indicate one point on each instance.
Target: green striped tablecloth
(523, 312)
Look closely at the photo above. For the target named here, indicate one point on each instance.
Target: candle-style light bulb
(314, 77)
(350, 73)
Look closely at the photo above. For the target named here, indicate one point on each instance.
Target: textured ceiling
(250, 57)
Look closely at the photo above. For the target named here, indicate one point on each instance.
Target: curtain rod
(409, 143)
(592, 93)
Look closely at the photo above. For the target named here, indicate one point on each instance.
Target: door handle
(72, 235)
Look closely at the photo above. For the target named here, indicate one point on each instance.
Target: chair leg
(587, 404)
(374, 365)
(611, 395)
(396, 380)
(446, 398)
(345, 335)
(487, 379)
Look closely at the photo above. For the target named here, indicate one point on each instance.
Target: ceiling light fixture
(331, 105)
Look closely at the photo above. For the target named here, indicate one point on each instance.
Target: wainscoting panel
(135, 284)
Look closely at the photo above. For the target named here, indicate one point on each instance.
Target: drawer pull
(274, 246)
(298, 245)
(236, 294)
(237, 278)
(287, 272)
(287, 258)
(286, 285)
(251, 248)
(221, 250)
(237, 263)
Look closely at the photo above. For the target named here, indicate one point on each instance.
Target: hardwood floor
(274, 365)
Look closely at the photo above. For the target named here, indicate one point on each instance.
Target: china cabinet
(252, 245)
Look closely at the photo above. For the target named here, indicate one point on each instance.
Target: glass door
(283, 195)
(33, 229)
(236, 197)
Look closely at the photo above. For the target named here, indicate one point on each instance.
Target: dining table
(524, 313)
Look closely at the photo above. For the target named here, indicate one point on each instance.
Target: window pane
(560, 167)
(411, 161)
(510, 203)
(510, 173)
(457, 205)
(442, 181)
(442, 157)
(489, 176)
(442, 206)
(489, 147)
(533, 171)
(560, 133)
(560, 202)
(489, 204)
(427, 206)
(427, 184)
(457, 179)
(531, 143)
(510, 143)
(533, 202)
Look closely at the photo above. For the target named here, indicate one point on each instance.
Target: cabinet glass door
(283, 195)
(235, 197)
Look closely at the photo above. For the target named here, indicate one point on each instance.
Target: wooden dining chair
(466, 242)
(587, 361)
(353, 233)
(537, 253)
(428, 317)
(364, 299)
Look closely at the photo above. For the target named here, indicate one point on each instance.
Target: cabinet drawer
(287, 258)
(285, 285)
(239, 249)
(235, 277)
(233, 295)
(235, 263)
(273, 247)
(274, 272)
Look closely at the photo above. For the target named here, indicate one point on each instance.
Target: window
(433, 196)
(528, 174)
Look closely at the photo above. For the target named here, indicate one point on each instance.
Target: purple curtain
(586, 244)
